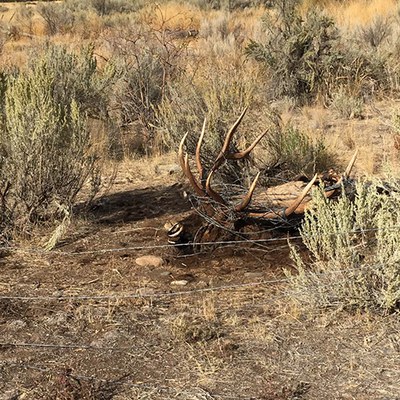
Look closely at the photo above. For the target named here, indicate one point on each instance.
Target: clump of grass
(354, 257)
(290, 151)
(347, 105)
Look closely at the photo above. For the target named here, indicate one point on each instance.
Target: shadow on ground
(136, 205)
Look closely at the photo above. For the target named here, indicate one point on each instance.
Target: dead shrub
(147, 63)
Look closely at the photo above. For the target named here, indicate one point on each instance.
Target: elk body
(274, 208)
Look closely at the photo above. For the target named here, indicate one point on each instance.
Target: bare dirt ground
(92, 324)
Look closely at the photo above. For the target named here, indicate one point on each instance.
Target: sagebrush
(353, 246)
(46, 147)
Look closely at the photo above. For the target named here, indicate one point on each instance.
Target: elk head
(217, 217)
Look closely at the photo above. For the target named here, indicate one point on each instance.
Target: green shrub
(146, 66)
(107, 7)
(58, 17)
(307, 59)
(354, 257)
(300, 53)
(77, 77)
(229, 5)
(376, 32)
(46, 149)
(291, 152)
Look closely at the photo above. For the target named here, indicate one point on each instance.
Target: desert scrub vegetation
(218, 92)
(47, 153)
(307, 57)
(354, 258)
(164, 67)
(147, 63)
(290, 151)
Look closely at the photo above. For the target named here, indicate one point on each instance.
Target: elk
(277, 207)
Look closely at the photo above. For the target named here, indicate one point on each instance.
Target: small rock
(165, 274)
(181, 282)
(149, 261)
(253, 274)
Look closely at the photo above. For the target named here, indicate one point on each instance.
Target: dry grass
(356, 13)
(171, 15)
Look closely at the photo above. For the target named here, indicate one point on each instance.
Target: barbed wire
(146, 295)
(189, 244)
(53, 346)
(41, 347)
(130, 296)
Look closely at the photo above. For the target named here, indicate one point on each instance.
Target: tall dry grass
(355, 13)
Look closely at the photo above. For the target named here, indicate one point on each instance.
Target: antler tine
(184, 163)
(290, 210)
(198, 148)
(210, 191)
(241, 154)
(181, 157)
(228, 138)
(197, 188)
(350, 166)
(247, 199)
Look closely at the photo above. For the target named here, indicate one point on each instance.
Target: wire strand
(165, 246)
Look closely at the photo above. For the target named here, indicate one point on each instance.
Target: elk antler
(350, 166)
(204, 188)
(225, 155)
(294, 206)
(184, 162)
(247, 199)
(332, 189)
(198, 148)
(202, 185)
